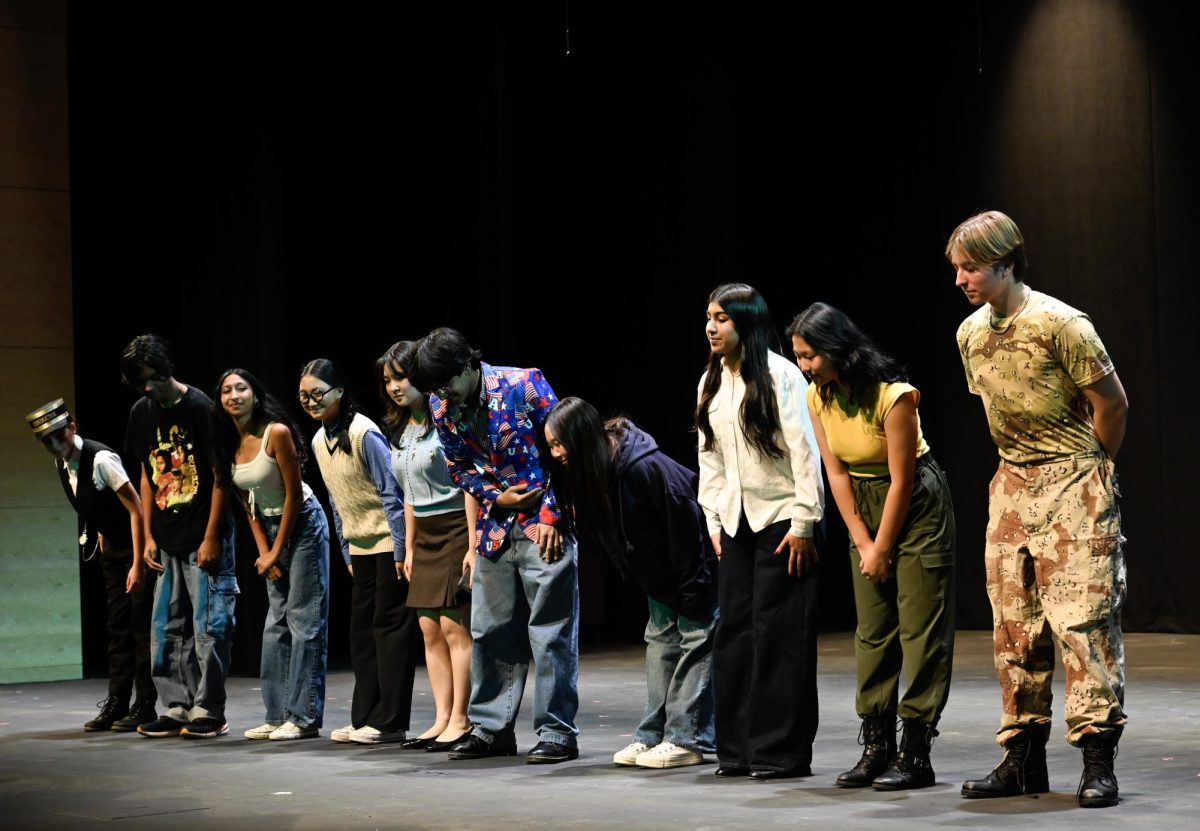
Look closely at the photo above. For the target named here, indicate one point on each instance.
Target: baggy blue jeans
(191, 632)
(521, 608)
(679, 684)
(295, 641)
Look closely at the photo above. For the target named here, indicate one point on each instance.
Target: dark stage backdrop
(268, 189)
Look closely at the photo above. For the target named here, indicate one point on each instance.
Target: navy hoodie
(667, 551)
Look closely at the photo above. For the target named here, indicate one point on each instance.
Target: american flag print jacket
(517, 402)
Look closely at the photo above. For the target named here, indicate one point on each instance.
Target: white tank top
(261, 479)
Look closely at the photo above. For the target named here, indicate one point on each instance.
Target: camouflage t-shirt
(1030, 376)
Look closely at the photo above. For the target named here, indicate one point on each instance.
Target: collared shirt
(107, 471)
(495, 448)
(736, 480)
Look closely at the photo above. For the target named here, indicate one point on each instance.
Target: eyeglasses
(316, 396)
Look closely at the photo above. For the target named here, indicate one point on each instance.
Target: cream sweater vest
(364, 522)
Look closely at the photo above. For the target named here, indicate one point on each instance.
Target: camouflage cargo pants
(1055, 564)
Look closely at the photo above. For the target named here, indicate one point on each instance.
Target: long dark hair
(759, 415)
(328, 372)
(396, 360)
(582, 486)
(267, 408)
(861, 365)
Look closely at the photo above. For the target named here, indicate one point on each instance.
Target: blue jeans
(294, 645)
(523, 607)
(679, 688)
(191, 631)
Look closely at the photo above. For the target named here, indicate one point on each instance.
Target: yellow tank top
(855, 434)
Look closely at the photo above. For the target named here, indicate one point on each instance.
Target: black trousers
(765, 654)
(384, 636)
(128, 627)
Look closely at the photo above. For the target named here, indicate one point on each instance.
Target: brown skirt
(440, 543)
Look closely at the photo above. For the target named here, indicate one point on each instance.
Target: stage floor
(53, 775)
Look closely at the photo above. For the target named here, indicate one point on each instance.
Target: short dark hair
(442, 354)
(146, 351)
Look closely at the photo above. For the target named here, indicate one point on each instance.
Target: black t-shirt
(174, 447)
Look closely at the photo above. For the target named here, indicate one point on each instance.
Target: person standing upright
(1054, 550)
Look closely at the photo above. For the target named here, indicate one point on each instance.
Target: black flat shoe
(473, 747)
(549, 753)
(417, 744)
(435, 746)
(767, 774)
(731, 771)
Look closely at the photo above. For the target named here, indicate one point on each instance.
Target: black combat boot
(111, 709)
(878, 739)
(1098, 785)
(1023, 770)
(911, 767)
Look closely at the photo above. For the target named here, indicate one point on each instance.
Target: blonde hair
(990, 238)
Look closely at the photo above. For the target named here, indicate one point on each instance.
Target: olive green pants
(909, 618)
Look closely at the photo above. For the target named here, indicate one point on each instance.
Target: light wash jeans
(191, 631)
(679, 686)
(523, 607)
(295, 642)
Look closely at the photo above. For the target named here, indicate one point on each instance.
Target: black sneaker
(205, 728)
(142, 712)
(111, 709)
(162, 727)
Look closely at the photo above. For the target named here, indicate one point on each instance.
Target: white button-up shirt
(735, 479)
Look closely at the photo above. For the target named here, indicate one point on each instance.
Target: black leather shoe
(731, 771)
(435, 746)
(550, 753)
(417, 744)
(473, 747)
(766, 774)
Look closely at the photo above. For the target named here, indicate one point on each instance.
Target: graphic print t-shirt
(173, 447)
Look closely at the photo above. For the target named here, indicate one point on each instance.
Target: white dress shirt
(736, 480)
(107, 470)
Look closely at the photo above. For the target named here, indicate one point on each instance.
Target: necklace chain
(1008, 321)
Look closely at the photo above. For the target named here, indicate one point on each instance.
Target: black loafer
(473, 747)
(435, 746)
(417, 744)
(550, 753)
(731, 770)
(767, 774)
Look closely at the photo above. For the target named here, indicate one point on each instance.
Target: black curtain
(265, 189)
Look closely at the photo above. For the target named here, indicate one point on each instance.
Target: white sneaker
(263, 731)
(667, 755)
(369, 735)
(628, 756)
(342, 734)
(288, 731)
